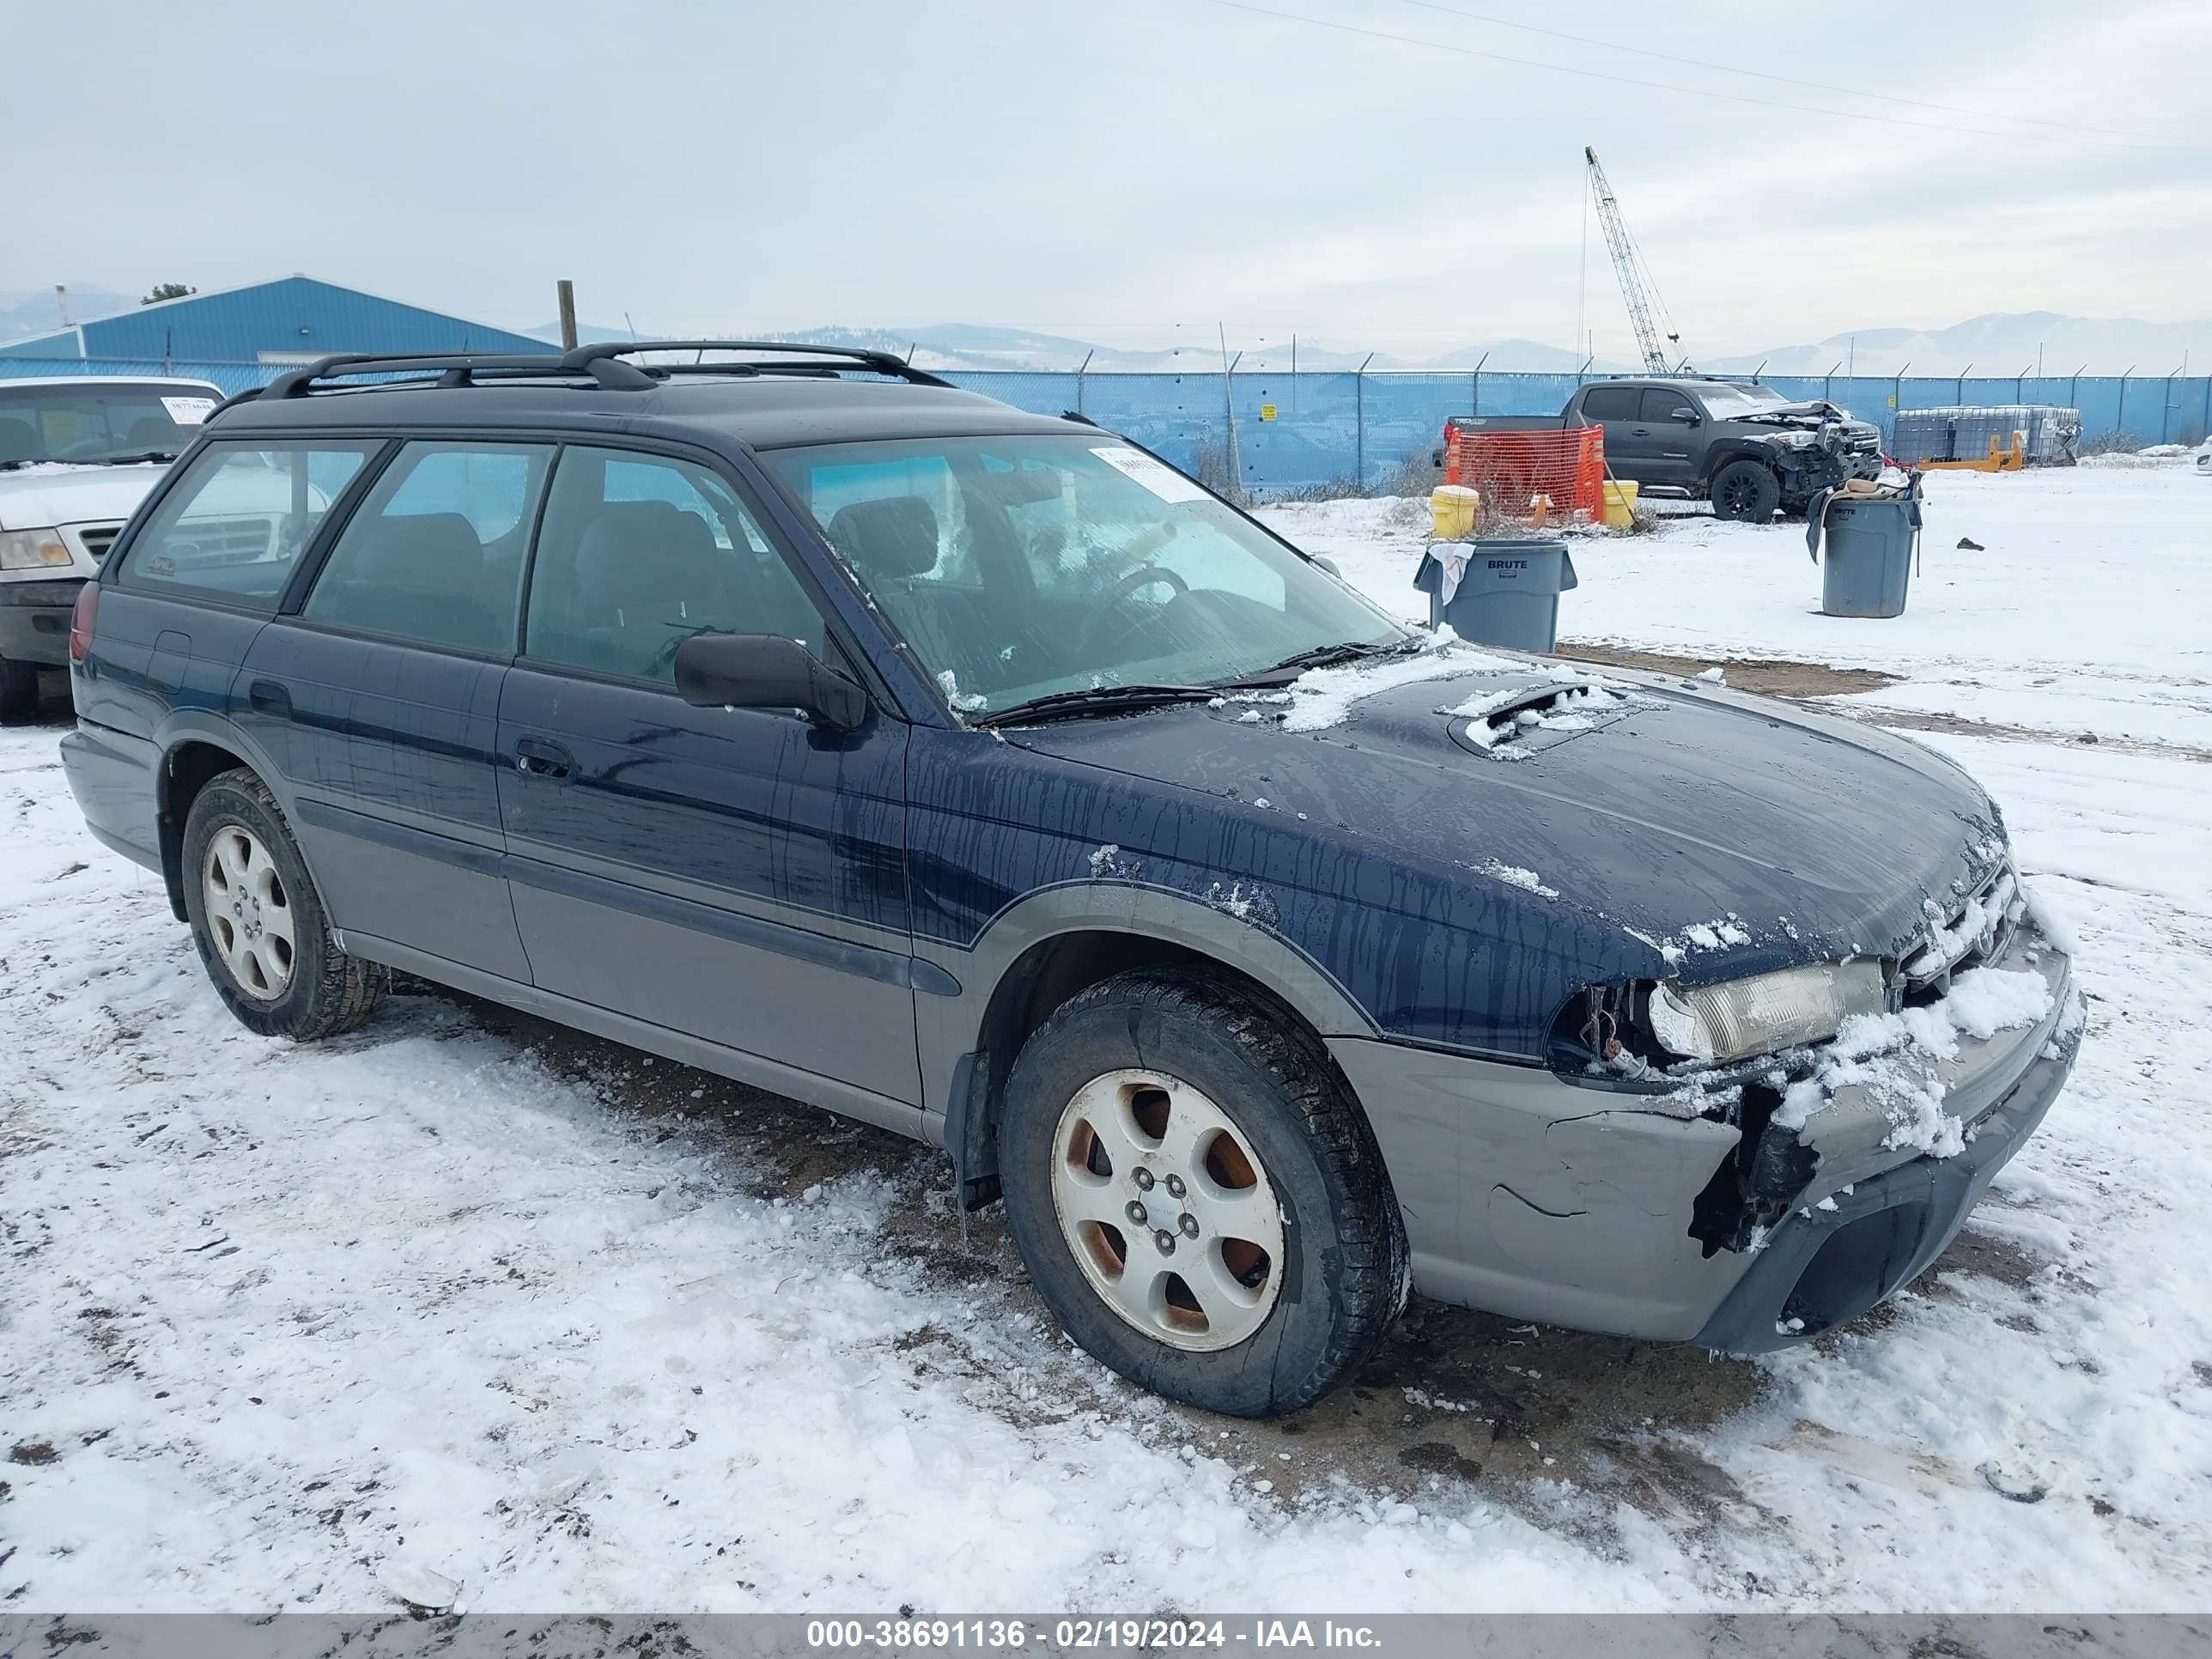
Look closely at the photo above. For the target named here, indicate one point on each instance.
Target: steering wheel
(1115, 601)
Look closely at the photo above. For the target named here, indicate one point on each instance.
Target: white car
(77, 454)
(2204, 458)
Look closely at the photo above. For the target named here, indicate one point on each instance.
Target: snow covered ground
(457, 1312)
(2084, 609)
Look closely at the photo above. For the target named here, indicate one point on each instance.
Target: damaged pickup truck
(1741, 445)
(977, 775)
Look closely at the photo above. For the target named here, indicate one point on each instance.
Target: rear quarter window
(233, 528)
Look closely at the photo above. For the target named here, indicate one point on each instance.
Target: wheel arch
(1039, 952)
(1721, 457)
(195, 751)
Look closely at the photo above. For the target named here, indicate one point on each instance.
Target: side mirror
(766, 671)
(1688, 416)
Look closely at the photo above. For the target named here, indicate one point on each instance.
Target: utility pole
(566, 291)
(1235, 490)
(61, 302)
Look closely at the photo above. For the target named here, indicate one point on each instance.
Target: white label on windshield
(188, 412)
(1163, 482)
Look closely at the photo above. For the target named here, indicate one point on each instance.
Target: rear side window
(638, 553)
(235, 525)
(436, 554)
(1609, 403)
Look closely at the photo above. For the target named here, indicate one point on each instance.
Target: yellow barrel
(1619, 503)
(1452, 509)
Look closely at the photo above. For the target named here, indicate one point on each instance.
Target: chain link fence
(1265, 434)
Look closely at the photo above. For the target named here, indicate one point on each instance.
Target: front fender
(954, 1027)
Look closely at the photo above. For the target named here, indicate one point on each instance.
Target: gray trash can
(1508, 594)
(1869, 557)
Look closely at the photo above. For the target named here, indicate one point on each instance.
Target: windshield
(1023, 568)
(100, 420)
(1729, 402)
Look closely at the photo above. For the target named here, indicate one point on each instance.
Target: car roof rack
(458, 369)
(882, 362)
(603, 364)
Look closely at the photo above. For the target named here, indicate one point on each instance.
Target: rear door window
(436, 554)
(234, 527)
(1609, 403)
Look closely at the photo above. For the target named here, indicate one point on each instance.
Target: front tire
(1197, 1196)
(262, 934)
(1745, 492)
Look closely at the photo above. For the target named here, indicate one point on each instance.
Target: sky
(1402, 175)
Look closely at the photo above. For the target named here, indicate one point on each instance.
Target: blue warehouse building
(243, 337)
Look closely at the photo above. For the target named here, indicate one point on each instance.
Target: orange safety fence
(1565, 467)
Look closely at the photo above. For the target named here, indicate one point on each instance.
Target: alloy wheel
(1167, 1210)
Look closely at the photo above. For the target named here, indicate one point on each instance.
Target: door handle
(542, 757)
(268, 697)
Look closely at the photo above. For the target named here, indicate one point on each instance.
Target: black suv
(1744, 445)
(975, 774)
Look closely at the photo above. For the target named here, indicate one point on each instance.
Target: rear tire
(1270, 1258)
(1745, 492)
(19, 690)
(262, 934)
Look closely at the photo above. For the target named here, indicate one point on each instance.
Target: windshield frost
(99, 421)
(1021, 567)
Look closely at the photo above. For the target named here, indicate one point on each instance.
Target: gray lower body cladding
(1528, 1195)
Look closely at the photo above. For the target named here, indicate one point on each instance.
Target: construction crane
(1641, 304)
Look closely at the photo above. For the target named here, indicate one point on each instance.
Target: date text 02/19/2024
(1080, 1635)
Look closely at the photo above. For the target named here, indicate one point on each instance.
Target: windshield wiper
(164, 455)
(1325, 656)
(1098, 699)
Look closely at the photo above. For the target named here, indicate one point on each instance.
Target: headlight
(32, 549)
(1799, 440)
(1757, 1016)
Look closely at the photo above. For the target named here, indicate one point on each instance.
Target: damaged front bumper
(1529, 1195)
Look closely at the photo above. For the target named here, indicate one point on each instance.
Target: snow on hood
(56, 493)
(1323, 697)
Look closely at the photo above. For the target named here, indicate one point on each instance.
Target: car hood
(1812, 413)
(36, 497)
(1702, 832)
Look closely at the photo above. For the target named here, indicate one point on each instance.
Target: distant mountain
(586, 333)
(2001, 345)
(1525, 357)
(22, 316)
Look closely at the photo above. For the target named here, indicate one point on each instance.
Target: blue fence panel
(1294, 432)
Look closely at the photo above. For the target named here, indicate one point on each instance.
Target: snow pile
(1896, 1058)
(1108, 864)
(961, 702)
(1323, 697)
(1562, 710)
(1721, 933)
(1975, 923)
(1514, 876)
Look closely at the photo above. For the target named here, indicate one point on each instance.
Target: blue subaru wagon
(793, 714)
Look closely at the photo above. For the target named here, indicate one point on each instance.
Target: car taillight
(82, 616)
